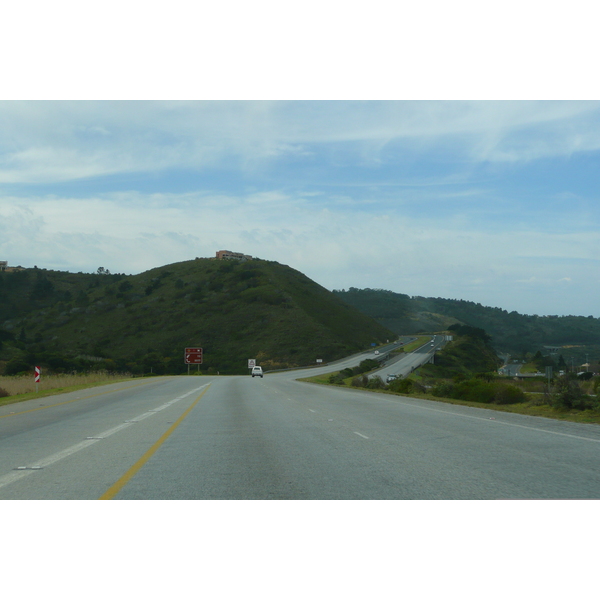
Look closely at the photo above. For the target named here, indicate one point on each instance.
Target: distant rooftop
(4, 267)
(229, 255)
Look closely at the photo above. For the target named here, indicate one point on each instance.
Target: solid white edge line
(488, 419)
(505, 423)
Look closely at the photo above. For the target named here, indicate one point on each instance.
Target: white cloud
(338, 247)
(62, 141)
(426, 231)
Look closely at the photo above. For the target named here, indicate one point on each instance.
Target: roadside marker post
(38, 374)
(549, 375)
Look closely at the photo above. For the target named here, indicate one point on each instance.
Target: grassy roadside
(420, 341)
(53, 385)
(526, 408)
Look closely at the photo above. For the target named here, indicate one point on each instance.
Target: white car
(257, 372)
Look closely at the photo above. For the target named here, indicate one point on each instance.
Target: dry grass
(25, 384)
(534, 407)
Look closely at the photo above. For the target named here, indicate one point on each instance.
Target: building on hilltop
(229, 255)
(4, 267)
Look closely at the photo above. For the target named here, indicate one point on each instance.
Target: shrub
(568, 395)
(337, 378)
(474, 390)
(505, 393)
(404, 386)
(16, 366)
(401, 386)
(3, 393)
(489, 377)
(366, 365)
(376, 383)
(443, 389)
(361, 381)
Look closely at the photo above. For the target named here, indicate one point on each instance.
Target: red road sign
(193, 356)
(38, 372)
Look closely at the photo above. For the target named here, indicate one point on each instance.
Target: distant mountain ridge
(234, 310)
(238, 310)
(511, 332)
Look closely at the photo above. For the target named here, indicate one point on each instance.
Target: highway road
(404, 364)
(239, 437)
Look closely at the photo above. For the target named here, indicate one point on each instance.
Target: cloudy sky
(433, 149)
(491, 201)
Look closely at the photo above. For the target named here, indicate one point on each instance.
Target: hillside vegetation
(469, 354)
(464, 372)
(233, 310)
(510, 331)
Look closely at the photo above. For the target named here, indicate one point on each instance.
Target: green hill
(233, 310)
(469, 353)
(512, 332)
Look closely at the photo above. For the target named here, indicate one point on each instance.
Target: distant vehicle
(257, 372)
(392, 378)
(376, 351)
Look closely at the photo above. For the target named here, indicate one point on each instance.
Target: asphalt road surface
(404, 364)
(277, 438)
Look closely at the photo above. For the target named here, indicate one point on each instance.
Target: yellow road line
(74, 400)
(114, 489)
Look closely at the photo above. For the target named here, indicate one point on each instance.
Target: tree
(568, 393)
(154, 362)
(41, 289)
(16, 366)
(473, 332)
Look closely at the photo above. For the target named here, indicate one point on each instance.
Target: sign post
(251, 363)
(192, 356)
(549, 374)
(38, 375)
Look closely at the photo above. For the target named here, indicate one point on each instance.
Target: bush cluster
(3, 393)
(478, 389)
(336, 378)
(375, 383)
(405, 386)
(360, 381)
(568, 394)
(366, 365)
